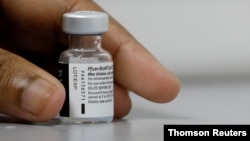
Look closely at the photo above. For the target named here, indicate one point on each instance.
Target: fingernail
(36, 96)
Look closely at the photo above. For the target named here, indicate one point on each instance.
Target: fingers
(30, 93)
(140, 72)
(26, 91)
(122, 101)
(135, 68)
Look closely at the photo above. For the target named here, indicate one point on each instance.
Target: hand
(31, 31)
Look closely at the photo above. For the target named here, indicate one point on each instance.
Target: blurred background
(196, 39)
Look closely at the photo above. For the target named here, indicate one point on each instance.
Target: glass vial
(86, 69)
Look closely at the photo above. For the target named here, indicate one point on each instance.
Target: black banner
(206, 131)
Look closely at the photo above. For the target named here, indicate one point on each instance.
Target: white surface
(205, 42)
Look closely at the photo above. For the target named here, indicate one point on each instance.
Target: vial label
(89, 90)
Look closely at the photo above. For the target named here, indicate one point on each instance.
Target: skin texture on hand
(31, 32)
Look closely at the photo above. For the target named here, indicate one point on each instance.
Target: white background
(192, 38)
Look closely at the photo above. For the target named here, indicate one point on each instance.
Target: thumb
(26, 91)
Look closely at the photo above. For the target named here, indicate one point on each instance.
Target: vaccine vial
(86, 69)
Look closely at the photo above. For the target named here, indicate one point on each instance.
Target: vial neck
(85, 41)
